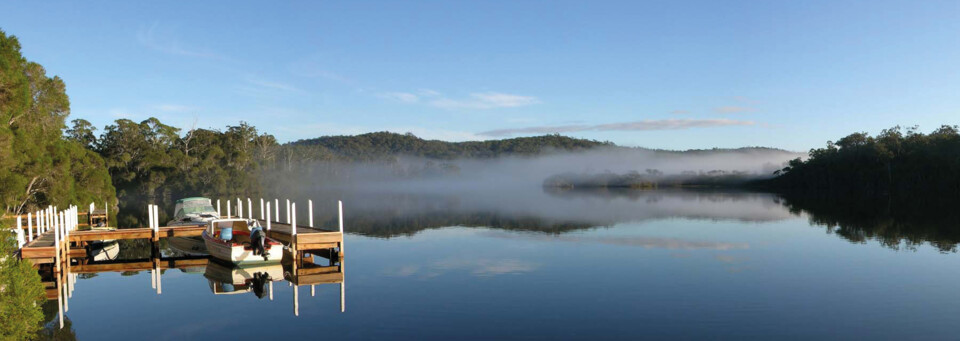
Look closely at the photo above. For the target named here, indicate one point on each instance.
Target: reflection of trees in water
(897, 224)
(51, 327)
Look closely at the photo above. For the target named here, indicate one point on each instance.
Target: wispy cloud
(156, 38)
(733, 109)
(680, 112)
(272, 85)
(645, 125)
(485, 100)
(405, 97)
(174, 108)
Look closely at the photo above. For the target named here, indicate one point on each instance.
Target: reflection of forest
(893, 223)
(394, 214)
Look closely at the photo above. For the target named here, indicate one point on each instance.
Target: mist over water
(409, 194)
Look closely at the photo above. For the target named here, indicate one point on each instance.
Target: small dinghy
(241, 241)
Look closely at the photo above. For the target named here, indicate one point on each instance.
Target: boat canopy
(193, 206)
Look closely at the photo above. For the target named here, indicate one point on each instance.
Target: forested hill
(381, 145)
(384, 144)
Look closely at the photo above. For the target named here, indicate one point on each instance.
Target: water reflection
(391, 214)
(897, 224)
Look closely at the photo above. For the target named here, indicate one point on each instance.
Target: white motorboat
(241, 241)
(193, 211)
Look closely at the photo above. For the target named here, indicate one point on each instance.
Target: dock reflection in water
(309, 269)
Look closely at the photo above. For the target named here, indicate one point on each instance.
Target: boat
(229, 279)
(193, 211)
(241, 241)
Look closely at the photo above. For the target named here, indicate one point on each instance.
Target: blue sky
(664, 74)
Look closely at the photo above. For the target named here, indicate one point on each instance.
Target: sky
(658, 74)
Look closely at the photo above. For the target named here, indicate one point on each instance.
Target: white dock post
(276, 209)
(262, 216)
(313, 290)
(228, 210)
(249, 208)
(20, 240)
(56, 246)
(310, 211)
(343, 286)
(268, 216)
(288, 211)
(156, 219)
(150, 216)
(239, 208)
(293, 223)
(159, 282)
(340, 219)
(60, 299)
(340, 214)
(29, 227)
(296, 300)
(271, 287)
(153, 280)
(219, 215)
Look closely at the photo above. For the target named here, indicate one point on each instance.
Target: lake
(559, 265)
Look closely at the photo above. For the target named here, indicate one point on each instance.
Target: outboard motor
(258, 241)
(259, 280)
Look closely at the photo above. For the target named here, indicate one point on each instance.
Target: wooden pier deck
(306, 239)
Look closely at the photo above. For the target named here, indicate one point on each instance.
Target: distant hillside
(372, 146)
(383, 145)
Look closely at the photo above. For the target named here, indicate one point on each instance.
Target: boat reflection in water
(229, 280)
(224, 279)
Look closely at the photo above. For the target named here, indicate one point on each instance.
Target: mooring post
(56, 246)
(159, 281)
(261, 209)
(296, 300)
(20, 240)
(268, 216)
(288, 211)
(29, 227)
(60, 299)
(271, 283)
(239, 208)
(340, 220)
(219, 215)
(249, 208)
(228, 209)
(276, 208)
(293, 223)
(343, 286)
(310, 211)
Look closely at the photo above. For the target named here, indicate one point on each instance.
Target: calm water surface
(662, 264)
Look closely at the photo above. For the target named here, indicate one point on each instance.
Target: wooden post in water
(249, 208)
(276, 208)
(219, 215)
(60, 298)
(228, 209)
(310, 211)
(288, 211)
(343, 283)
(313, 290)
(261, 209)
(271, 282)
(268, 216)
(159, 281)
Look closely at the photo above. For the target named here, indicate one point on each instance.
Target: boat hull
(238, 254)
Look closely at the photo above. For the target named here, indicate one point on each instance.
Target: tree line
(894, 162)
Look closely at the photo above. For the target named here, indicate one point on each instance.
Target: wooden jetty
(58, 234)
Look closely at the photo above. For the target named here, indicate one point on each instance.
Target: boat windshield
(194, 207)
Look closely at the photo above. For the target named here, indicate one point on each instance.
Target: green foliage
(37, 166)
(891, 163)
(21, 294)
(150, 162)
